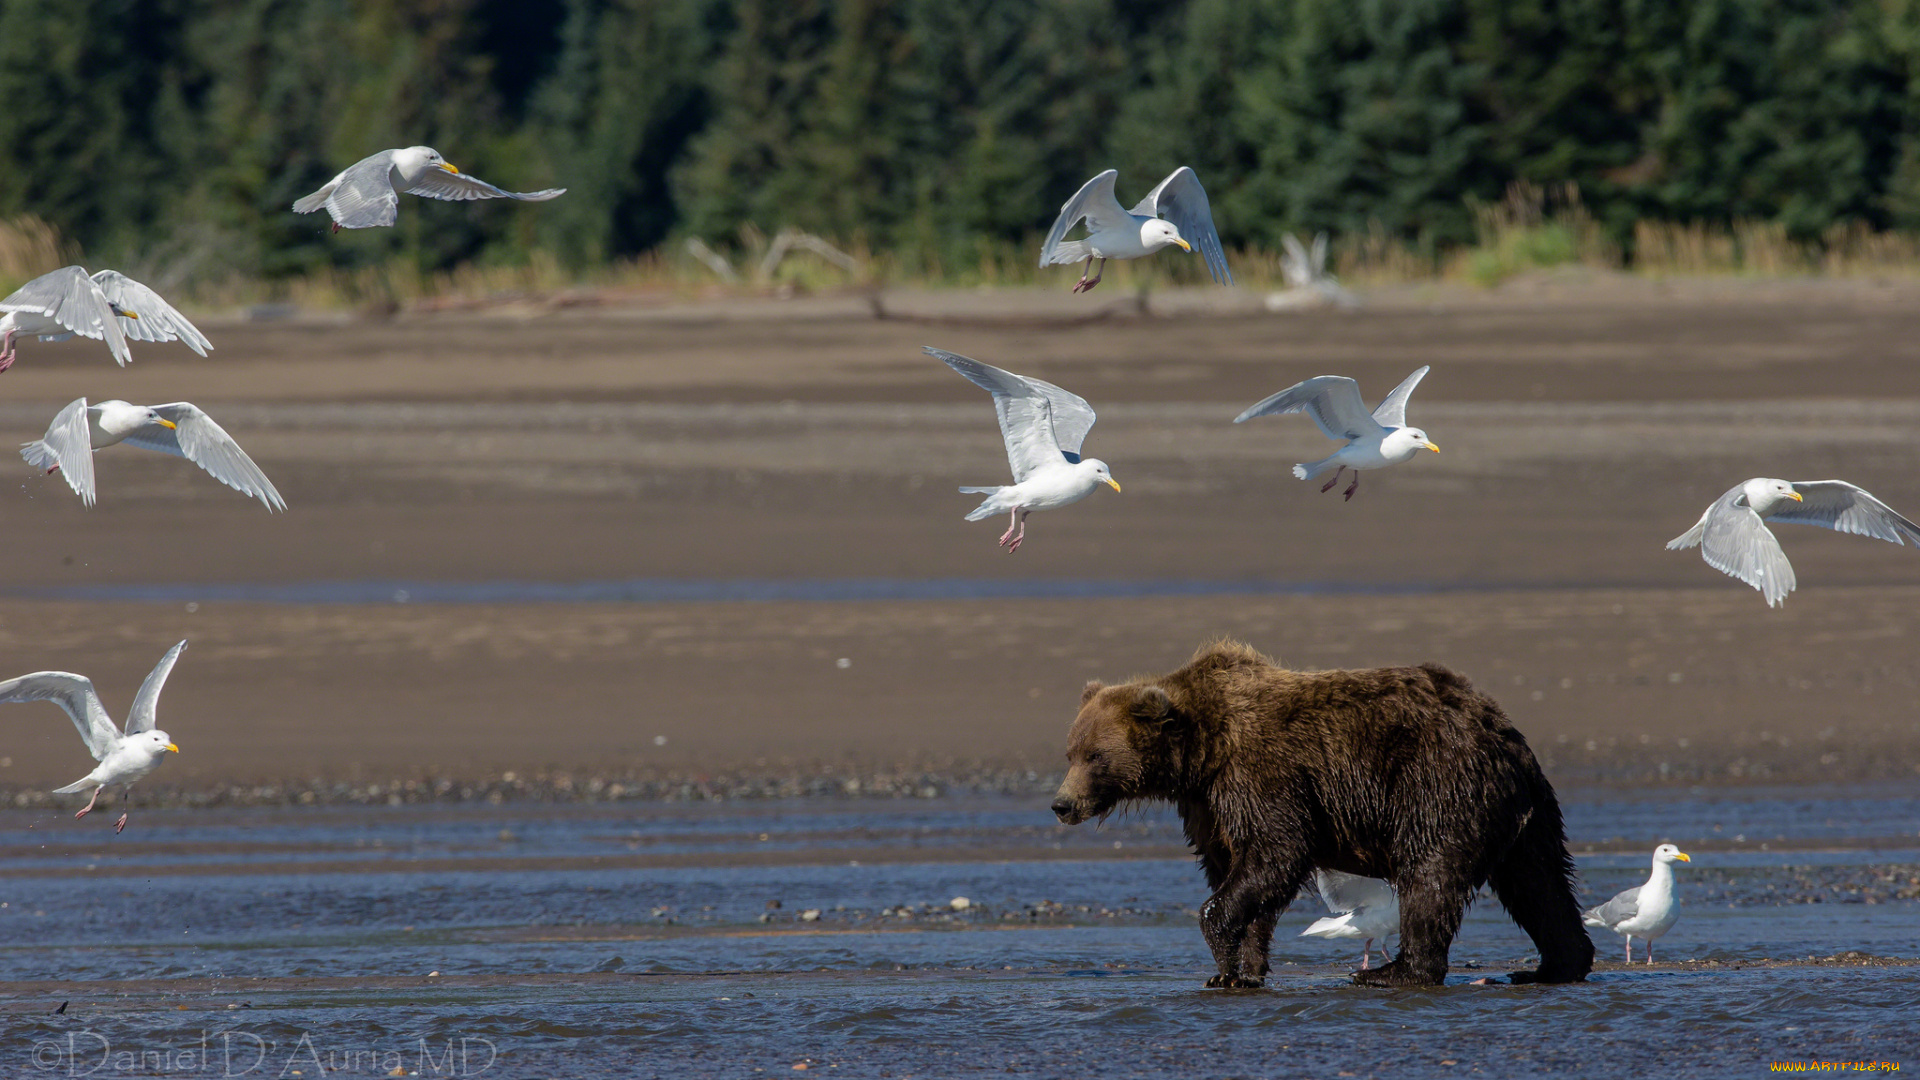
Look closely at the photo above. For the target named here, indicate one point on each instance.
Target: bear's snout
(1063, 808)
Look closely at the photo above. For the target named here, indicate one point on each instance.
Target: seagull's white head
(153, 417)
(1100, 473)
(413, 161)
(1156, 233)
(155, 743)
(1402, 443)
(1764, 493)
(1667, 853)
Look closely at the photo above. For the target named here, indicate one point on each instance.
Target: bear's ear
(1153, 706)
(1094, 686)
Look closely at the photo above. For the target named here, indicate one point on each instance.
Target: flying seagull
(1114, 232)
(1043, 426)
(1362, 907)
(180, 429)
(1373, 440)
(123, 758)
(1734, 538)
(108, 305)
(1644, 911)
(367, 194)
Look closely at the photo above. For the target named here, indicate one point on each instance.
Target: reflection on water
(717, 939)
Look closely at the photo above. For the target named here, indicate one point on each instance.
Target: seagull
(123, 758)
(107, 305)
(1116, 233)
(180, 429)
(1043, 426)
(1372, 441)
(366, 195)
(1733, 535)
(1644, 911)
(1362, 907)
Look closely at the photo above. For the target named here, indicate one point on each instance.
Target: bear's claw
(1234, 982)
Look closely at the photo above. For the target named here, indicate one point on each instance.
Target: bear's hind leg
(1533, 884)
(1432, 901)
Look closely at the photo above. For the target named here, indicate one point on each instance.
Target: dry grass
(30, 247)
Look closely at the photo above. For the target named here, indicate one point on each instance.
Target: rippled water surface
(744, 939)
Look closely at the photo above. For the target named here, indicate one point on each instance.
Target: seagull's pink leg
(1087, 283)
(1352, 486)
(1013, 523)
(1629, 948)
(6, 352)
(1337, 474)
(125, 808)
(1366, 956)
(88, 809)
(1649, 951)
(1021, 517)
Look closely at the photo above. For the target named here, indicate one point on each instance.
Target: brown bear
(1407, 774)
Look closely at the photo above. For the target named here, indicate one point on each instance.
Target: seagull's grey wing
(1182, 200)
(74, 694)
(1096, 203)
(198, 439)
(1332, 400)
(459, 187)
(1842, 507)
(1029, 414)
(68, 445)
(1345, 892)
(1622, 907)
(1737, 543)
(141, 717)
(74, 300)
(158, 320)
(363, 197)
(1392, 412)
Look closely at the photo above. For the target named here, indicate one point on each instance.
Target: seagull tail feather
(1313, 469)
(986, 509)
(77, 785)
(314, 201)
(39, 455)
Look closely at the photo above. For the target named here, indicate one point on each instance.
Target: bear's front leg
(1238, 923)
(1225, 928)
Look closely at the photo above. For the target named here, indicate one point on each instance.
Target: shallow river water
(747, 939)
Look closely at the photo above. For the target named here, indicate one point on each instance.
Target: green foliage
(172, 135)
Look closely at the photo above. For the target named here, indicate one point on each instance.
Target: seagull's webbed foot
(1337, 474)
(1353, 486)
(88, 809)
(1086, 283)
(336, 226)
(120, 825)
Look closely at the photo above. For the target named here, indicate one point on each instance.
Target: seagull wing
(141, 717)
(74, 300)
(1295, 264)
(1042, 424)
(1332, 400)
(1737, 543)
(1842, 507)
(74, 694)
(1095, 202)
(158, 320)
(1392, 412)
(459, 187)
(1344, 893)
(1182, 200)
(1622, 907)
(198, 439)
(68, 446)
(363, 196)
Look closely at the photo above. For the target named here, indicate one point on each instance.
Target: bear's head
(1117, 750)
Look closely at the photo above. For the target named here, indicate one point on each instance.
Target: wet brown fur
(1407, 774)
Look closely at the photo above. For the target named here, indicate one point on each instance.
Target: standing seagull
(180, 429)
(1362, 907)
(1114, 232)
(123, 758)
(1644, 911)
(367, 194)
(107, 305)
(1043, 426)
(1734, 538)
(1373, 441)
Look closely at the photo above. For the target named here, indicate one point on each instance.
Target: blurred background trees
(170, 136)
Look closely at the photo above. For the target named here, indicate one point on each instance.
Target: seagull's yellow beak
(128, 314)
(1112, 483)
(173, 748)
(1795, 496)
(1433, 448)
(1683, 856)
(449, 167)
(1184, 246)
(166, 423)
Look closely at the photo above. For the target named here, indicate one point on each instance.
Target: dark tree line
(177, 132)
